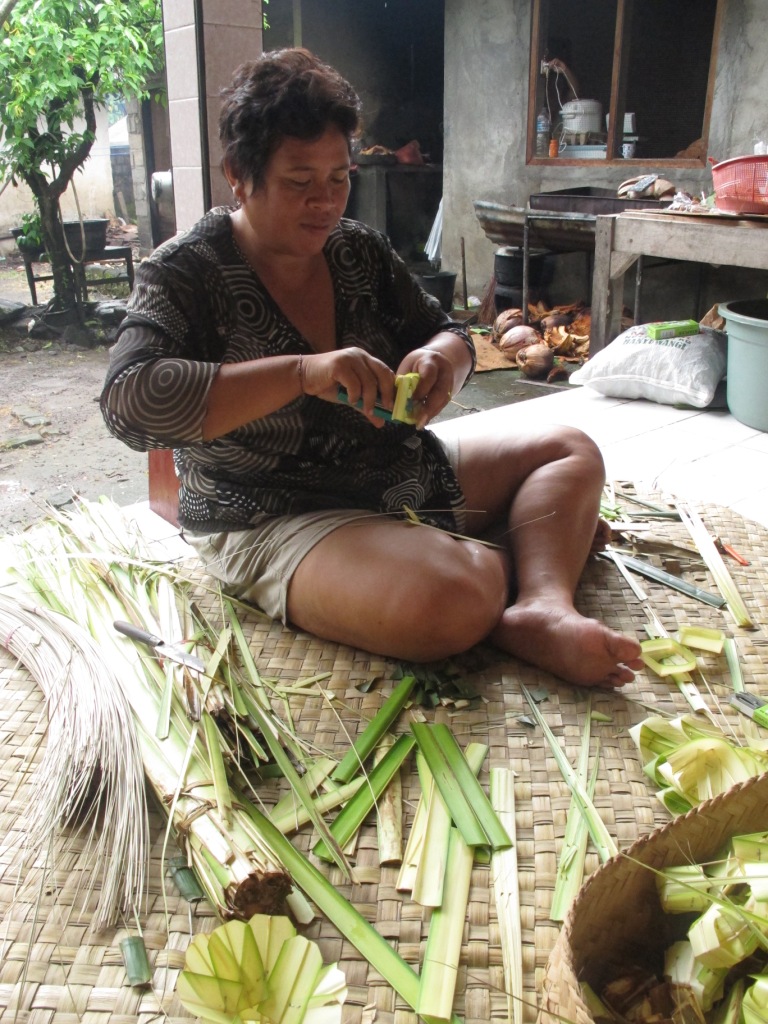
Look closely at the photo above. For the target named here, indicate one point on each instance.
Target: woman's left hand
(438, 375)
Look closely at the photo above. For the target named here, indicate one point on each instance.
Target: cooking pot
(582, 116)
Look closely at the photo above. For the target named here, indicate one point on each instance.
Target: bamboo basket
(617, 920)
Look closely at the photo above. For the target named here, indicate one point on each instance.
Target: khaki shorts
(257, 564)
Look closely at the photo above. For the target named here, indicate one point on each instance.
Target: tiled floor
(700, 456)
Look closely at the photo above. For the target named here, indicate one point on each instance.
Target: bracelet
(301, 373)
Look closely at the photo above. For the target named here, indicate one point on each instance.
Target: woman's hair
(282, 93)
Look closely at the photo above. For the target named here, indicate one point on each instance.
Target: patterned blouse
(197, 304)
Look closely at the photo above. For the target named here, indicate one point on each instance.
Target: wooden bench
(109, 254)
(163, 485)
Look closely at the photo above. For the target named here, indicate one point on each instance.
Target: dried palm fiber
(73, 565)
(624, 797)
(617, 920)
(91, 777)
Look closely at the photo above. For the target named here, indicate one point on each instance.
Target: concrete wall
(93, 185)
(487, 59)
(205, 40)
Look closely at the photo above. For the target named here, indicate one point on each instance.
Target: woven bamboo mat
(52, 969)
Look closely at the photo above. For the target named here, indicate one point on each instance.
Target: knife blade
(173, 652)
(751, 706)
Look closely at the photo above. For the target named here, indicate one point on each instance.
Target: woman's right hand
(362, 376)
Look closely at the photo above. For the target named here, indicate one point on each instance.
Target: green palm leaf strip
(570, 867)
(429, 880)
(506, 892)
(218, 769)
(370, 736)
(464, 796)
(349, 820)
(601, 837)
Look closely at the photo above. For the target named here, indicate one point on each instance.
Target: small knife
(174, 652)
(751, 706)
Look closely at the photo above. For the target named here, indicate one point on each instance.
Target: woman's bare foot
(602, 537)
(574, 648)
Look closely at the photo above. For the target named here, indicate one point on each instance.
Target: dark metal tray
(591, 200)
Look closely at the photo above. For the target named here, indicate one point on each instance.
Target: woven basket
(616, 919)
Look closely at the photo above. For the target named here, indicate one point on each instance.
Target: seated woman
(240, 333)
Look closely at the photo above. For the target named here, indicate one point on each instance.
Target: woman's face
(304, 193)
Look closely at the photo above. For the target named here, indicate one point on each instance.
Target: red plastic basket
(741, 184)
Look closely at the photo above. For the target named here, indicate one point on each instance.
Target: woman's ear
(237, 186)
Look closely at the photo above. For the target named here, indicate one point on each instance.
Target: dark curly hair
(282, 93)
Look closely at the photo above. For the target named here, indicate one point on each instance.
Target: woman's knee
(456, 604)
(562, 442)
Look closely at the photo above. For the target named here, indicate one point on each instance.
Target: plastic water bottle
(543, 130)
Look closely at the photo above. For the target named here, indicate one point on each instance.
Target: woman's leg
(401, 590)
(418, 594)
(546, 487)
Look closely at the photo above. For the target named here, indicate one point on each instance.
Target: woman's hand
(362, 375)
(443, 365)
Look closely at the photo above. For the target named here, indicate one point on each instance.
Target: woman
(240, 334)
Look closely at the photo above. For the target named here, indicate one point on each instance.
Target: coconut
(506, 319)
(516, 339)
(536, 360)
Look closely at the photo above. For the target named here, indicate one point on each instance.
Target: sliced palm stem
(314, 776)
(506, 892)
(455, 798)
(428, 886)
(389, 813)
(370, 736)
(431, 858)
(294, 818)
(731, 651)
(407, 875)
(466, 800)
(437, 988)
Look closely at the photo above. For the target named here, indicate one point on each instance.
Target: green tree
(60, 60)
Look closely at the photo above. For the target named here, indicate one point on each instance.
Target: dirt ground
(53, 441)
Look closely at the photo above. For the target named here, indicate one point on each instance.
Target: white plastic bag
(672, 371)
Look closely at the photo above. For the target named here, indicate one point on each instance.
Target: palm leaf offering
(261, 970)
(692, 760)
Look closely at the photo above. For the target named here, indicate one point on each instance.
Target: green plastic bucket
(747, 382)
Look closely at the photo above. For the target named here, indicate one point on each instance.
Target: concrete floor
(494, 388)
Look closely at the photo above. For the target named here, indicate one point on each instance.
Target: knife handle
(135, 633)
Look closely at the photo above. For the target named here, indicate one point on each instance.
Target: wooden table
(620, 239)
